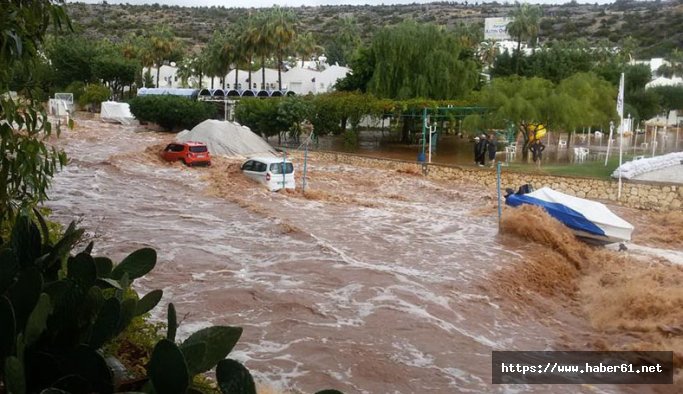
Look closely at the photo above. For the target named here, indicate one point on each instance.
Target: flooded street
(381, 284)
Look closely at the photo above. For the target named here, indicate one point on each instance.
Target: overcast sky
(297, 3)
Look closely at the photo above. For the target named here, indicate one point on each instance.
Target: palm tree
(263, 42)
(250, 40)
(161, 47)
(283, 34)
(219, 54)
(306, 46)
(525, 25)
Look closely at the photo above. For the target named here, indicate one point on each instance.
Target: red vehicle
(191, 153)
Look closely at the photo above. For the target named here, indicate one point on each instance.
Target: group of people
(487, 143)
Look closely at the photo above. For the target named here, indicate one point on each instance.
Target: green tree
(583, 99)
(283, 34)
(163, 46)
(72, 57)
(306, 46)
(116, 71)
(27, 163)
(344, 43)
(524, 26)
(218, 55)
(416, 60)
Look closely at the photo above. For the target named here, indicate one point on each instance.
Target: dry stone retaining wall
(635, 194)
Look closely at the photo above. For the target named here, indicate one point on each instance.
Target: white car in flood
(274, 172)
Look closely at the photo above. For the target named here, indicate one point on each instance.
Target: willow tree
(416, 60)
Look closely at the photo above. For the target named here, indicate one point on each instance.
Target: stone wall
(635, 194)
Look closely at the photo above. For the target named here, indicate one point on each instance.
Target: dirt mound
(228, 139)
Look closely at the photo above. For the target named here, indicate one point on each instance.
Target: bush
(171, 112)
(93, 95)
(260, 115)
(59, 310)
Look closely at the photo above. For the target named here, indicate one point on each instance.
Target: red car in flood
(191, 153)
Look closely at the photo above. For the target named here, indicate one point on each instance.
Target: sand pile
(227, 139)
(629, 304)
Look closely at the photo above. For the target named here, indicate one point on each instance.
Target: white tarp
(227, 139)
(614, 227)
(632, 169)
(112, 111)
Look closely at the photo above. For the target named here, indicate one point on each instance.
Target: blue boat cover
(564, 214)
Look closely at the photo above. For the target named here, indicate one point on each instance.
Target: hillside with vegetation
(654, 26)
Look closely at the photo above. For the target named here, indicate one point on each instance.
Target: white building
(299, 80)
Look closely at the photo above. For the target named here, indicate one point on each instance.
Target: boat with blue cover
(589, 220)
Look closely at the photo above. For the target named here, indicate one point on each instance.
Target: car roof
(194, 143)
(269, 160)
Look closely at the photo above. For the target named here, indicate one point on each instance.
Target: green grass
(592, 169)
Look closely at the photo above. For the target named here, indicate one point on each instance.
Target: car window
(198, 149)
(260, 167)
(276, 168)
(177, 148)
(248, 165)
(168, 148)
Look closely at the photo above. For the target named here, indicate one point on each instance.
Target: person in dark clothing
(476, 150)
(537, 149)
(481, 148)
(492, 148)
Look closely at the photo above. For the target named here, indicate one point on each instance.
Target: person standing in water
(492, 148)
(476, 150)
(537, 149)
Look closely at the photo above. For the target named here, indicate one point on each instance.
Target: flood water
(389, 293)
(458, 149)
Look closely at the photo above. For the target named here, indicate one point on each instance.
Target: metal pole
(225, 109)
(609, 141)
(305, 161)
(664, 137)
(500, 208)
(654, 141)
(430, 144)
(424, 129)
(621, 151)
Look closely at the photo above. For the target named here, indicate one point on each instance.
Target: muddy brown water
(390, 295)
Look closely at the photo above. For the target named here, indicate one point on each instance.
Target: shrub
(59, 310)
(260, 115)
(171, 112)
(93, 95)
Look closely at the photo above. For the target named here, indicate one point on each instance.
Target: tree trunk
(519, 48)
(405, 131)
(344, 120)
(212, 78)
(263, 72)
(525, 137)
(158, 72)
(279, 72)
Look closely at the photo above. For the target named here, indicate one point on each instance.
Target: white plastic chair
(562, 144)
(580, 154)
(510, 153)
